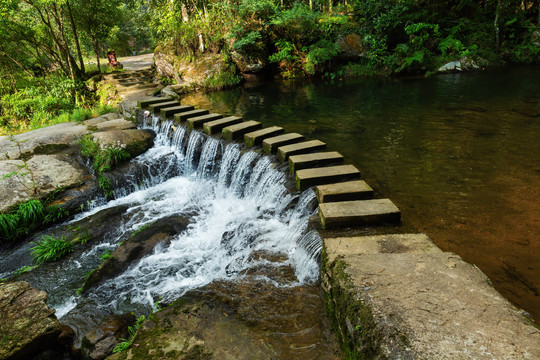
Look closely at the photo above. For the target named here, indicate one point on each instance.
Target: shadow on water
(458, 153)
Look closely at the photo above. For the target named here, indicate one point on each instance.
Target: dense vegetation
(363, 36)
(46, 50)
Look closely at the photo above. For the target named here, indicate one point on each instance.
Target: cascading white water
(237, 205)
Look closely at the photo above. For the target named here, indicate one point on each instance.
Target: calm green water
(459, 154)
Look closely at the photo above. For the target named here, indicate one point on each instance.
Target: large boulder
(28, 326)
(134, 141)
(100, 342)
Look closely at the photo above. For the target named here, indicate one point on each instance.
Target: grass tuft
(50, 249)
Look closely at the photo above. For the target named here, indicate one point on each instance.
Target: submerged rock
(28, 326)
(100, 342)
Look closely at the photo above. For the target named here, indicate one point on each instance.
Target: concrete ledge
(326, 175)
(157, 107)
(169, 111)
(401, 297)
(184, 115)
(152, 100)
(345, 191)
(215, 126)
(256, 137)
(306, 161)
(237, 131)
(299, 148)
(357, 213)
(270, 145)
(198, 121)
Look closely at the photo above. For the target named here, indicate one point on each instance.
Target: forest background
(51, 51)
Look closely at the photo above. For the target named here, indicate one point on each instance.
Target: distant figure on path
(111, 55)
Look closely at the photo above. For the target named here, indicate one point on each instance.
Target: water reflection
(459, 154)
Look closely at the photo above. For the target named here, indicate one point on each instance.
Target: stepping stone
(235, 132)
(307, 178)
(344, 191)
(169, 111)
(306, 161)
(256, 137)
(153, 100)
(184, 115)
(299, 148)
(213, 127)
(198, 121)
(357, 213)
(270, 145)
(159, 106)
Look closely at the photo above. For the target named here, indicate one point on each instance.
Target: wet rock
(137, 246)
(463, 64)
(28, 326)
(100, 342)
(351, 46)
(172, 91)
(134, 141)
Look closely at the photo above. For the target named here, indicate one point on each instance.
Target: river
(459, 154)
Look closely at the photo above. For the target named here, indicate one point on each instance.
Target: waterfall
(193, 151)
(207, 162)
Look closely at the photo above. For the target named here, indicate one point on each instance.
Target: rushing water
(459, 154)
(242, 217)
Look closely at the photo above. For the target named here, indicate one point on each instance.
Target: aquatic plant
(50, 249)
(132, 331)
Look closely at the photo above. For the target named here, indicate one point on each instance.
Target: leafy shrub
(50, 249)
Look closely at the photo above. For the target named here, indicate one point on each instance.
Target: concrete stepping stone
(152, 100)
(357, 213)
(213, 127)
(198, 121)
(307, 178)
(237, 131)
(344, 191)
(299, 148)
(306, 161)
(270, 145)
(256, 137)
(170, 111)
(157, 107)
(184, 115)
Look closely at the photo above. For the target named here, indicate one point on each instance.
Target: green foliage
(132, 331)
(25, 269)
(104, 157)
(319, 54)
(226, 77)
(106, 255)
(50, 249)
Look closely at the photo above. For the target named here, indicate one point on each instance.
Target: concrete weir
(394, 296)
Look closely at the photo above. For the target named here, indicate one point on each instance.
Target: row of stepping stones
(344, 199)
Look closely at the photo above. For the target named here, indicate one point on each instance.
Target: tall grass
(50, 249)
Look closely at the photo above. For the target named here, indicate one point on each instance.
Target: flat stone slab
(299, 148)
(358, 213)
(198, 121)
(270, 145)
(116, 124)
(213, 127)
(102, 119)
(152, 100)
(256, 137)
(401, 297)
(237, 131)
(175, 110)
(159, 106)
(183, 116)
(344, 191)
(306, 161)
(307, 178)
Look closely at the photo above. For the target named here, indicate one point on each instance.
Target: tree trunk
(496, 26)
(76, 37)
(185, 15)
(64, 45)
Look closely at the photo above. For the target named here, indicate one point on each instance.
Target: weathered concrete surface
(344, 191)
(359, 212)
(144, 103)
(41, 141)
(215, 126)
(27, 326)
(400, 297)
(162, 105)
(326, 175)
(256, 137)
(183, 116)
(237, 131)
(135, 141)
(198, 121)
(299, 148)
(306, 161)
(271, 144)
(176, 110)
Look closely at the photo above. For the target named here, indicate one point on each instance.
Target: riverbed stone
(100, 342)
(28, 326)
(401, 297)
(51, 172)
(135, 141)
(16, 183)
